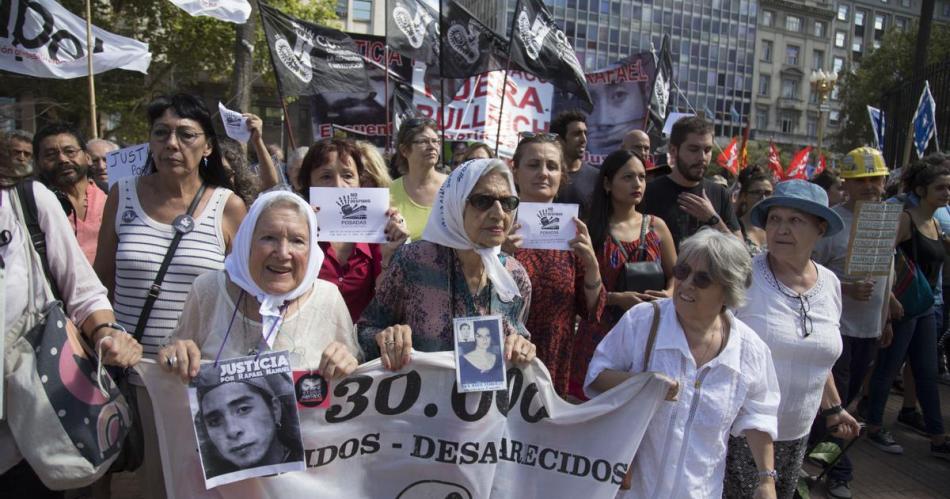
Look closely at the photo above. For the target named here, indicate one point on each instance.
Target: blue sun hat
(802, 196)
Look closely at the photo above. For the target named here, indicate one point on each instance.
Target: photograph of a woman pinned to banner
(246, 424)
(478, 358)
(618, 109)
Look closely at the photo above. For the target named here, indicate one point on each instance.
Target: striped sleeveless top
(143, 243)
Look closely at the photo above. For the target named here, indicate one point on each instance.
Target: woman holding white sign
(725, 374)
(355, 268)
(268, 297)
(457, 270)
(556, 276)
(624, 241)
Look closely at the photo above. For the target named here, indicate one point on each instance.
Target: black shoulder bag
(639, 275)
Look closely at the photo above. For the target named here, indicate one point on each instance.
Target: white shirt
(859, 319)
(802, 364)
(683, 453)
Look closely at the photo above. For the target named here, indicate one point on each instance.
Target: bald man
(637, 140)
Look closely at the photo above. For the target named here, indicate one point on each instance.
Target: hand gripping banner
(411, 435)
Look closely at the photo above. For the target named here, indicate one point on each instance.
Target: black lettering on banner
(530, 392)
(468, 453)
(448, 452)
(505, 399)
(370, 444)
(42, 37)
(409, 395)
(348, 449)
(460, 409)
(601, 470)
(530, 455)
(357, 399)
(5, 9)
(547, 452)
(620, 471)
(56, 44)
(418, 441)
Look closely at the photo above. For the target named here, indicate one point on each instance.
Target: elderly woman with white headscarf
(456, 270)
(267, 297)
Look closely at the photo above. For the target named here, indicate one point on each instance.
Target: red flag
(822, 164)
(796, 169)
(743, 151)
(728, 158)
(775, 161)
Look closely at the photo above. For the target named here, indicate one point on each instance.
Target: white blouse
(683, 453)
(802, 363)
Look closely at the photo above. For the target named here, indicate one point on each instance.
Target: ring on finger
(172, 361)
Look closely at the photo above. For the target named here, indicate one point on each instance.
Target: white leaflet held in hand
(351, 215)
(127, 162)
(235, 125)
(547, 225)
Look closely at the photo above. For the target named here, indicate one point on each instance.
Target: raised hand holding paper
(235, 124)
(349, 215)
(127, 162)
(547, 225)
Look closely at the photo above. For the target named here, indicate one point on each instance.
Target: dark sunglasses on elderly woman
(484, 202)
(682, 271)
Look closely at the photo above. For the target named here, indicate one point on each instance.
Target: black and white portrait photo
(246, 420)
(480, 364)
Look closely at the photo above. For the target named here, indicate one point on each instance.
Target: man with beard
(698, 201)
(98, 150)
(864, 301)
(571, 129)
(21, 149)
(62, 164)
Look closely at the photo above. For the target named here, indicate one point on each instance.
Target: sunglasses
(547, 137)
(701, 279)
(484, 202)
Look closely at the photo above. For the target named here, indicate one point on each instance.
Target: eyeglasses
(808, 326)
(484, 202)
(427, 142)
(701, 279)
(185, 136)
(547, 137)
(53, 154)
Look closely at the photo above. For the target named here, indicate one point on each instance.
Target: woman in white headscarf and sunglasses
(267, 297)
(456, 270)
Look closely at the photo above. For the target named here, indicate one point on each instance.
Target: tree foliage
(187, 53)
(879, 71)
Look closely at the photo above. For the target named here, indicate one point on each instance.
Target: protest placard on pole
(126, 162)
(871, 247)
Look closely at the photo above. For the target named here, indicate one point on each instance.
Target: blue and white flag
(925, 124)
(232, 11)
(877, 125)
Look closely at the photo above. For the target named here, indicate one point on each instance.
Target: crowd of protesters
(737, 292)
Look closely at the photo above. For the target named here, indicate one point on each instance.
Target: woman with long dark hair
(620, 234)
(183, 174)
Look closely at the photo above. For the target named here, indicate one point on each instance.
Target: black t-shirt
(660, 200)
(580, 189)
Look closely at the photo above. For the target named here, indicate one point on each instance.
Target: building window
(812, 127)
(879, 22)
(788, 123)
(841, 39)
(362, 10)
(766, 50)
(790, 88)
(857, 47)
(818, 59)
(793, 23)
(768, 17)
(905, 3)
(791, 55)
(838, 64)
(341, 7)
(859, 17)
(764, 82)
(821, 29)
(762, 118)
(834, 117)
(843, 12)
(900, 23)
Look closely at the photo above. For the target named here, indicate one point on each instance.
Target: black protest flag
(662, 84)
(310, 59)
(539, 47)
(412, 29)
(469, 48)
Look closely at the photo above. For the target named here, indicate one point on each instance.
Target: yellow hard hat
(864, 162)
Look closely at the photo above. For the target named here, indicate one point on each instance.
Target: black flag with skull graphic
(470, 47)
(310, 59)
(539, 47)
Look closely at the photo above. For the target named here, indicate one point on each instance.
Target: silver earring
(204, 162)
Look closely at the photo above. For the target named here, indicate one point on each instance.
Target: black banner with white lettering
(311, 59)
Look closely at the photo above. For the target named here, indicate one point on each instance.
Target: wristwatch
(713, 220)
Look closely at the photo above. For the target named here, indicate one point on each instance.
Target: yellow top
(415, 214)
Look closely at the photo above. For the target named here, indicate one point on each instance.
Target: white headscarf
(446, 225)
(237, 264)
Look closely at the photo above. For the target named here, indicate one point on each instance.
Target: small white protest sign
(351, 215)
(547, 225)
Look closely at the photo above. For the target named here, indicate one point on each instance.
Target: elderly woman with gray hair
(456, 270)
(795, 308)
(724, 372)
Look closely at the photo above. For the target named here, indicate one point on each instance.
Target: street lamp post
(823, 83)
